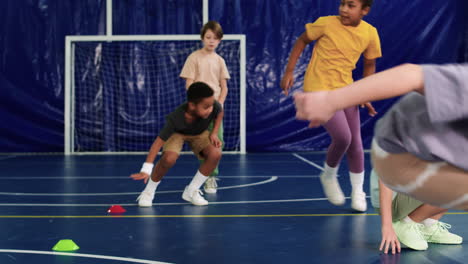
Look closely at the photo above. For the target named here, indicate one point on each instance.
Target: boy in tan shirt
(205, 65)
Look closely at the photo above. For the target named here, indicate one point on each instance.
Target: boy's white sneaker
(332, 190)
(194, 196)
(358, 201)
(145, 199)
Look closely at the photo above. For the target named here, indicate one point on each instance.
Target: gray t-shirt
(175, 122)
(434, 126)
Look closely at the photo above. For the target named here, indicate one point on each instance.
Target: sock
(429, 222)
(151, 186)
(357, 181)
(329, 172)
(407, 219)
(197, 181)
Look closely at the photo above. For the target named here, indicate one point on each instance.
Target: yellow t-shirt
(336, 52)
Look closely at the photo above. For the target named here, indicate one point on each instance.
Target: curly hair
(198, 91)
(367, 3)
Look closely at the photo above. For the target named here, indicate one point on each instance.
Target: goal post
(118, 90)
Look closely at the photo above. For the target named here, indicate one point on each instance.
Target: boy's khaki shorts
(402, 206)
(197, 143)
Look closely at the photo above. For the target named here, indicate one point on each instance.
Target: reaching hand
(313, 106)
(215, 140)
(287, 82)
(370, 108)
(389, 240)
(140, 176)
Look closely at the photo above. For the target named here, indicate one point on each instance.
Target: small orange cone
(116, 209)
(66, 245)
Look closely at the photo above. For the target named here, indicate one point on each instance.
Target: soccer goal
(118, 90)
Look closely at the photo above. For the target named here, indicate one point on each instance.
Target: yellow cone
(66, 245)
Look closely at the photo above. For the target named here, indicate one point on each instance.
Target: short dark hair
(198, 91)
(213, 26)
(367, 3)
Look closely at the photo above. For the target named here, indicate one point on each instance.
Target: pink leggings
(345, 131)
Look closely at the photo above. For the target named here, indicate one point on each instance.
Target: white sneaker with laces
(210, 185)
(358, 201)
(194, 196)
(145, 199)
(438, 233)
(409, 234)
(332, 190)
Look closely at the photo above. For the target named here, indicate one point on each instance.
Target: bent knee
(169, 159)
(213, 154)
(342, 142)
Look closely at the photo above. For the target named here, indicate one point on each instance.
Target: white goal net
(119, 90)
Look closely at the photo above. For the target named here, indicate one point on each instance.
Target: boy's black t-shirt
(175, 122)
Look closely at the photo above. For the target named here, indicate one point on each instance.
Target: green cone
(66, 245)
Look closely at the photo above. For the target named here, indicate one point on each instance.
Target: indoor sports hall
(87, 86)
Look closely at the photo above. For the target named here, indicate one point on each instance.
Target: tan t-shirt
(208, 68)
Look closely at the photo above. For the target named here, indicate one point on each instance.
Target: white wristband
(147, 168)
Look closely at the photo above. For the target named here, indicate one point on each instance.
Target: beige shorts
(196, 142)
(402, 206)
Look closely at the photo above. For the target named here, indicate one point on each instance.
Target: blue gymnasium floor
(269, 209)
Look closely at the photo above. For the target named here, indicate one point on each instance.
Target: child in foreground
(421, 144)
(408, 221)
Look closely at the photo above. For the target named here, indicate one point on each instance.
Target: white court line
(308, 161)
(81, 256)
(162, 204)
(271, 179)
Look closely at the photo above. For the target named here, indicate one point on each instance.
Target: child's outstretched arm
(319, 107)
(147, 168)
(288, 78)
(389, 238)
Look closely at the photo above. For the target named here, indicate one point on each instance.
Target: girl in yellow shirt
(339, 42)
